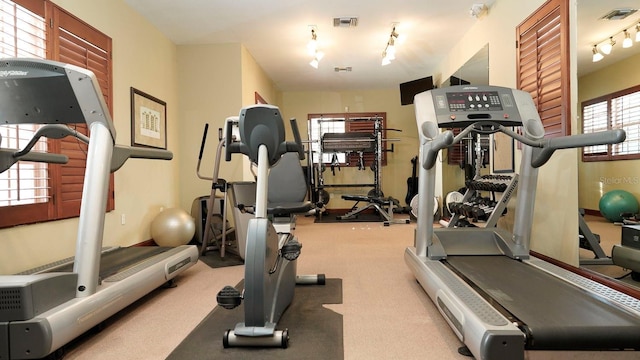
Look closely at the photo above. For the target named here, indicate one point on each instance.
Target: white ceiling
(276, 34)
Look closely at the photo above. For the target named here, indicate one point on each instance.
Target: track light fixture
(389, 53)
(312, 49)
(597, 55)
(627, 42)
(604, 48)
(607, 46)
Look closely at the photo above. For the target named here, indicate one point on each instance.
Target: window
(322, 125)
(620, 110)
(342, 123)
(35, 192)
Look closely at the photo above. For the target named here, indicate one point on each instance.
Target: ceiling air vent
(618, 14)
(351, 21)
(342, 69)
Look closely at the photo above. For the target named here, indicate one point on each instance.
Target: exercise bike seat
(287, 187)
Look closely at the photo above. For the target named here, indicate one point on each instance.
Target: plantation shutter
(91, 52)
(24, 188)
(457, 153)
(365, 123)
(594, 119)
(543, 64)
(625, 115)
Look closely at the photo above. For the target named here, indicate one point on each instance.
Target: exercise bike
(270, 257)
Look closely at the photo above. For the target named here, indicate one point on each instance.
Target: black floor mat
(364, 217)
(315, 332)
(213, 259)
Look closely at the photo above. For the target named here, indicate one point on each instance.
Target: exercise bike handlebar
(204, 140)
(298, 140)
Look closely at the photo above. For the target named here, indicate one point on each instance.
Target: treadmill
(497, 299)
(43, 310)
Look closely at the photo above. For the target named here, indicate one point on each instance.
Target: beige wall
(209, 91)
(596, 178)
(142, 58)
(216, 81)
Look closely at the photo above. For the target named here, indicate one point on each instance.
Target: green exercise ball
(172, 227)
(616, 202)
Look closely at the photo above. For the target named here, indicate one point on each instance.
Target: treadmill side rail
(53, 329)
(485, 331)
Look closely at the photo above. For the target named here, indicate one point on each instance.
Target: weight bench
(383, 206)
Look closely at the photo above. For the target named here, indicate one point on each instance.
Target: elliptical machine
(270, 258)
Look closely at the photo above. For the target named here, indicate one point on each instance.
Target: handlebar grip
(204, 140)
(433, 147)
(227, 140)
(297, 138)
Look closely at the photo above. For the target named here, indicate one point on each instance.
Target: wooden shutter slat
(543, 36)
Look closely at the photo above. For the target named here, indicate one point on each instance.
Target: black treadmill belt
(114, 261)
(558, 315)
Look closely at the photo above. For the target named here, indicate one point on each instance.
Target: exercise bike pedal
(229, 297)
(291, 250)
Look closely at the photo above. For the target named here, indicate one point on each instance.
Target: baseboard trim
(149, 242)
(592, 212)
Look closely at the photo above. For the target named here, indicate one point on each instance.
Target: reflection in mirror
(462, 156)
(475, 71)
(612, 73)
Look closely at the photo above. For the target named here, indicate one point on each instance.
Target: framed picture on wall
(148, 120)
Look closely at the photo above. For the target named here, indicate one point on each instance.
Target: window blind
(22, 34)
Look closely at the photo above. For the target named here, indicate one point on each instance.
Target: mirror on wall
(611, 74)
(475, 71)
(599, 22)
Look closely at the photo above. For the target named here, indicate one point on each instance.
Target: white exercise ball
(173, 227)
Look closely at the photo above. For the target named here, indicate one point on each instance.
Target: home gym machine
(270, 259)
(50, 306)
(497, 299)
(359, 143)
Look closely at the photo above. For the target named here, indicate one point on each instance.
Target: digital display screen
(474, 101)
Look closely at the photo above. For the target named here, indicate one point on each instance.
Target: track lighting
(627, 42)
(389, 52)
(604, 48)
(312, 49)
(597, 55)
(312, 45)
(607, 46)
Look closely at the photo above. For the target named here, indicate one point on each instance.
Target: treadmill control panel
(462, 105)
(473, 101)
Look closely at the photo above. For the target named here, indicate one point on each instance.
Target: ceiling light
(607, 46)
(312, 48)
(627, 42)
(597, 56)
(312, 45)
(389, 52)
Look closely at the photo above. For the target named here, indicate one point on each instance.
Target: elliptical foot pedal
(229, 297)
